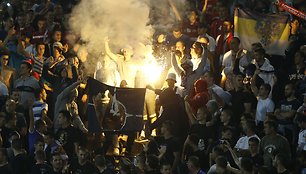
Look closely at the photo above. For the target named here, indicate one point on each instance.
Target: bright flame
(151, 69)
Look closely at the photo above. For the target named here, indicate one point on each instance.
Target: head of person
(25, 68)
(289, 90)
(40, 155)
(250, 127)
(161, 38)
(238, 81)
(56, 161)
(41, 126)
(235, 44)
(64, 72)
(4, 59)
(253, 145)
(177, 31)
(245, 117)
(57, 35)
(100, 161)
(212, 106)
(193, 163)
(15, 95)
(299, 58)
(204, 41)
(57, 49)
(221, 164)
(200, 86)
(64, 117)
(49, 138)
(226, 115)
(196, 50)
(39, 144)
(83, 155)
(40, 48)
(203, 114)
(165, 167)
(270, 127)
(264, 90)
(10, 106)
(167, 127)
(227, 26)
(127, 52)
(192, 16)
(259, 55)
(41, 24)
(171, 80)
(180, 46)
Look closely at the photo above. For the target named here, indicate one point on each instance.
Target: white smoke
(124, 22)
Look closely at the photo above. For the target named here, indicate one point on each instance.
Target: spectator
(273, 143)
(264, 105)
(152, 164)
(82, 164)
(101, 165)
(27, 84)
(40, 165)
(301, 120)
(194, 165)
(7, 73)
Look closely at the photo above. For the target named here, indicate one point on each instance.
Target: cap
(171, 76)
(58, 45)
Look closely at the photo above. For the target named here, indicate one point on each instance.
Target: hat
(171, 76)
(187, 62)
(58, 45)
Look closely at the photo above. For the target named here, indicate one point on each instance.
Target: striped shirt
(38, 65)
(38, 108)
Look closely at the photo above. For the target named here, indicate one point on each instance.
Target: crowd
(217, 107)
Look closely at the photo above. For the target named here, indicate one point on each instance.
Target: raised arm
(108, 51)
(200, 69)
(175, 11)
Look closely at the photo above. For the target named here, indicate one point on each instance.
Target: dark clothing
(6, 169)
(67, 137)
(20, 164)
(41, 169)
(173, 146)
(286, 106)
(88, 167)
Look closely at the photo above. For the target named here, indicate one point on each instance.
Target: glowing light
(151, 69)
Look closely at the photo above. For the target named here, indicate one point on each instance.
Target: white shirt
(243, 142)
(212, 43)
(228, 62)
(263, 106)
(267, 77)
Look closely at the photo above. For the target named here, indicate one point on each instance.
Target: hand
(162, 149)
(11, 31)
(106, 39)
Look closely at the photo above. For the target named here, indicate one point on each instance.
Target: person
(165, 167)
(82, 163)
(255, 156)
(101, 165)
(57, 163)
(40, 165)
(20, 160)
(151, 164)
(296, 73)
(125, 64)
(265, 105)
(169, 150)
(7, 73)
(26, 84)
(264, 69)
(221, 165)
(38, 60)
(190, 27)
(273, 143)
(66, 101)
(68, 136)
(242, 145)
(301, 120)
(193, 165)
(197, 53)
(202, 32)
(285, 112)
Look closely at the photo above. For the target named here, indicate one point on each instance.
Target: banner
(291, 10)
(272, 31)
(126, 106)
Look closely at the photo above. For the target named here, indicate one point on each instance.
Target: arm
(176, 161)
(175, 66)
(109, 52)
(74, 73)
(48, 76)
(190, 115)
(31, 115)
(68, 89)
(200, 69)
(175, 11)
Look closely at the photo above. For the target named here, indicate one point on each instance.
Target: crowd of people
(217, 107)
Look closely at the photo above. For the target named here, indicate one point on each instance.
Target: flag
(272, 30)
(126, 104)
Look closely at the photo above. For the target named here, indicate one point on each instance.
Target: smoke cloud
(123, 21)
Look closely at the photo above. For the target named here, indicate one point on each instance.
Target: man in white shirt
(264, 69)
(242, 145)
(264, 105)
(202, 31)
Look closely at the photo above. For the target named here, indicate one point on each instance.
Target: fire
(151, 69)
